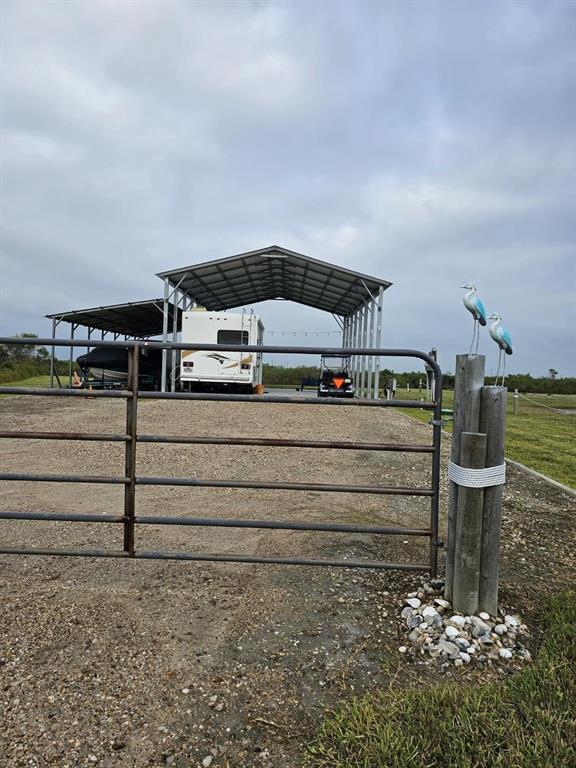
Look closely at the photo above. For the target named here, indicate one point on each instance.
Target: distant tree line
(524, 382)
(25, 360)
(21, 361)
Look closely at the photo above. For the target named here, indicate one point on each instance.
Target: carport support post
(468, 382)
(370, 392)
(345, 332)
(175, 302)
(364, 343)
(493, 423)
(73, 327)
(358, 343)
(354, 343)
(165, 336)
(378, 342)
(467, 552)
(130, 455)
(52, 355)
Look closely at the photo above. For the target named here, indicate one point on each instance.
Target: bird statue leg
(477, 336)
(498, 369)
(473, 337)
(504, 372)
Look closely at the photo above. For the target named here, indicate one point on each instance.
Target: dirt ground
(151, 663)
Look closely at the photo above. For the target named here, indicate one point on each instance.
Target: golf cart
(335, 379)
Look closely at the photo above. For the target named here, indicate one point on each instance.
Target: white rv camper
(215, 369)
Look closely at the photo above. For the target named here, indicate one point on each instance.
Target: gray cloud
(428, 143)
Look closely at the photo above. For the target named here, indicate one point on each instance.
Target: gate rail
(131, 438)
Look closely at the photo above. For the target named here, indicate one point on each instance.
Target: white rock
(465, 657)
(207, 762)
(457, 621)
(484, 616)
(451, 632)
(423, 626)
(479, 627)
(429, 612)
(412, 594)
(451, 650)
(436, 621)
(403, 649)
(413, 602)
(505, 653)
(500, 629)
(442, 603)
(462, 643)
(511, 621)
(458, 662)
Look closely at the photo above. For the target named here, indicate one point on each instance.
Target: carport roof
(139, 319)
(272, 273)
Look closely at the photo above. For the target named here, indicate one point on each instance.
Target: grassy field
(526, 721)
(542, 439)
(33, 381)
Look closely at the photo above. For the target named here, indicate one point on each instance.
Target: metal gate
(130, 479)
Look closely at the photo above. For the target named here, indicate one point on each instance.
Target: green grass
(537, 437)
(527, 721)
(33, 381)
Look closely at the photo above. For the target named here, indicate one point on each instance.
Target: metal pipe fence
(130, 479)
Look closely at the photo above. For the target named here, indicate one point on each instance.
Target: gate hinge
(438, 422)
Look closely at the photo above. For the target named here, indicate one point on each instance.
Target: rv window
(232, 337)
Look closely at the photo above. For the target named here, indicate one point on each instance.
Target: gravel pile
(450, 638)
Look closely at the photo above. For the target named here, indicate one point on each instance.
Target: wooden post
(468, 382)
(467, 552)
(493, 423)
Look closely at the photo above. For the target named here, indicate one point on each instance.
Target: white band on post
(476, 478)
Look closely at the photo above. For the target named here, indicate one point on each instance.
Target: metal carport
(354, 299)
(135, 319)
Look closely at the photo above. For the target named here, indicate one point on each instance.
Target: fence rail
(130, 479)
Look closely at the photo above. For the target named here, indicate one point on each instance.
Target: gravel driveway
(152, 663)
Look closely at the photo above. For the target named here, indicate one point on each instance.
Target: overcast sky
(427, 143)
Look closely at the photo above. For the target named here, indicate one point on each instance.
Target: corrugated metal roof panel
(137, 318)
(271, 273)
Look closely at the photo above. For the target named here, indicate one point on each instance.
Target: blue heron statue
(476, 308)
(504, 341)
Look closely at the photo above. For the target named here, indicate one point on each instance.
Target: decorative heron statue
(502, 338)
(476, 308)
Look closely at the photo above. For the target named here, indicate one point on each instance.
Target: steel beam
(73, 327)
(166, 309)
(378, 342)
(175, 303)
(370, 387)
(52, 354)
(364, 344)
